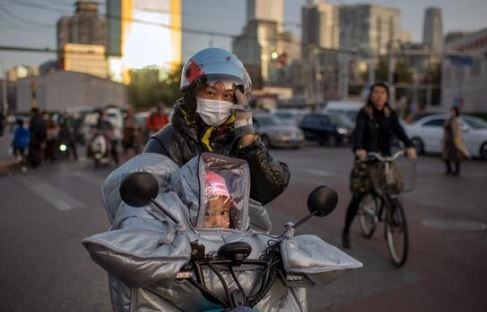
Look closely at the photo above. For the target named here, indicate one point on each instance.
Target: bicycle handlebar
(379, 157)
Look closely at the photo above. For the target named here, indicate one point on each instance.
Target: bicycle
(382, 204)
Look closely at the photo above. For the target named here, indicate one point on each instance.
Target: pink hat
(215, 185)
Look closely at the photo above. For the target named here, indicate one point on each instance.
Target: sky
(31, 23)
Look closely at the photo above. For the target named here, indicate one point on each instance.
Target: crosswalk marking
(60, 200)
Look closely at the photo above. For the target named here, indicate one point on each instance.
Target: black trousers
(449, 169)
(352, 211)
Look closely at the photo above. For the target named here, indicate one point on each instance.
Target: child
(217, 213)
(20, 142)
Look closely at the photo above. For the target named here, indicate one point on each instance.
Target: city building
(266, 10)
(143, 33)
(256, 47)
(464, 72)
(288, 51)
(63, 90)
(419, 57)
(81, 41)
(369, 28)
(320, 26)
(433, 29)
(320, 43)
(84, 58)
(84, 27)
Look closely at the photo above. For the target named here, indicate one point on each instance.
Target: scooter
(161, 257)
(141, 188)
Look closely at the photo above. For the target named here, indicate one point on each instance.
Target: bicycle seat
(236, 251)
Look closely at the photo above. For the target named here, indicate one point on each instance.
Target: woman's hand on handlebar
(411, 153)
(361, 154)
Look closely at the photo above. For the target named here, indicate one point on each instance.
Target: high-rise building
(266, 10)
(81, 41)
(320, 22)
(369, 28)
(143, 33)
(433, 29)
(255, 47)
(84, 27)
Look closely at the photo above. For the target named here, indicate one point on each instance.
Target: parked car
(329, 129)
(275, 133)
(427, 134)
(348, 109)
(291, 116)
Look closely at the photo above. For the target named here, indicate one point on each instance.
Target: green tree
(150, 86)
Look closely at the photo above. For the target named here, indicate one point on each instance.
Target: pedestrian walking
(157, 120)
(132, 134)
(20, 143)
(454, 149)
(38, 134)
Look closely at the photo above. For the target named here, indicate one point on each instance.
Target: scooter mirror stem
(166, 212)
(297, 224)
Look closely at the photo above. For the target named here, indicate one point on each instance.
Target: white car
(427, 134)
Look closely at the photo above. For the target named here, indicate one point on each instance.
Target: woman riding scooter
(214, 116)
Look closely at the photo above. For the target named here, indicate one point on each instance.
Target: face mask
(213, 112)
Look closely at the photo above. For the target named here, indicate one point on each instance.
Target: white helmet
(213, 64)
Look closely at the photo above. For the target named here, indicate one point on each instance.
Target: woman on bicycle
(375, 126)
(205, 119)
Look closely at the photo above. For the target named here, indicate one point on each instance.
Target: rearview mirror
(139, 188)
(322, 201)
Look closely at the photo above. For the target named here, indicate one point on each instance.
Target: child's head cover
(217, 214)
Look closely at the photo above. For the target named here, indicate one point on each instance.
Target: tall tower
(81, 41)
(433, 29)
(84, 27)
(266, 10)
(320, 25)
(369, 27)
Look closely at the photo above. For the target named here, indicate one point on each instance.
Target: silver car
(276, 133)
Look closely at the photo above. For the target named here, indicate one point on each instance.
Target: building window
(448, 74)
(475, 69)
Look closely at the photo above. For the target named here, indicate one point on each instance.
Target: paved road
(44, 214)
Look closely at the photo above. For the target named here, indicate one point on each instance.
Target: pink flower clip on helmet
(214, 64)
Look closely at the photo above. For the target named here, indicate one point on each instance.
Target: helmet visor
(223, 82)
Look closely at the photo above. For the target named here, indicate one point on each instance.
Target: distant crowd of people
(49, 137)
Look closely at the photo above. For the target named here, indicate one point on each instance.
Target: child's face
(218, 212)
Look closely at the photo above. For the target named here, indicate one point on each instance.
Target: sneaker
(346, 241)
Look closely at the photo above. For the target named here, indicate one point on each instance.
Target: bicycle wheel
(368, 214)
(397, 233)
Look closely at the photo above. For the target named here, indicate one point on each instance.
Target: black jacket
(375, 129)
(181, 140)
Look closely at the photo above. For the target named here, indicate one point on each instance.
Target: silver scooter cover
(144, 250)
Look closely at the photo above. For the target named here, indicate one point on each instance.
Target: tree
(150, 86)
